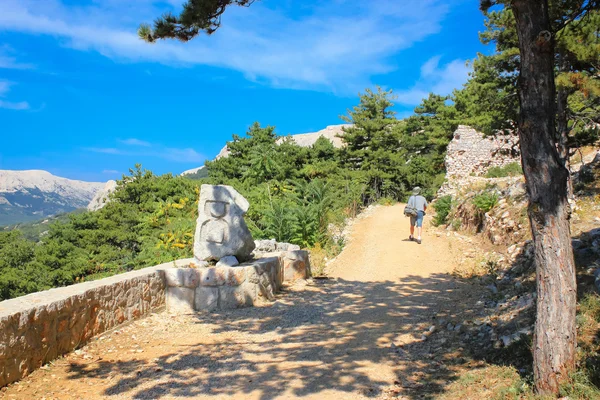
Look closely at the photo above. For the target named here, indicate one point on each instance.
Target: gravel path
(340, 338)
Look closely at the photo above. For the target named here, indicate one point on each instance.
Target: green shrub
(442, 208)
(512, 169)
(386, 201)
(485, 201)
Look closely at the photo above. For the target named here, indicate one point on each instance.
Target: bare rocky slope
(331, 132)
(35, 194)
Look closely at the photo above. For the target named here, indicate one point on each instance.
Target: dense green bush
(485, 201)
(512, 169)
(442, 208)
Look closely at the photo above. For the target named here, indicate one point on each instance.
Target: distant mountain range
(35, 194)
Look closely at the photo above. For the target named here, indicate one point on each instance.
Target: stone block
(206, 299)
(236, 296)
(252, 274)
(180, 300)
(182, 277)
(214, 276)
(296, 265)
(236, 276)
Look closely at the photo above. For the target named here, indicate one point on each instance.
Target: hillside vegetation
(297, 194)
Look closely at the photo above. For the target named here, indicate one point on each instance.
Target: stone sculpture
(220, 229)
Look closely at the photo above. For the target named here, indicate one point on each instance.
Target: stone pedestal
(225, 287)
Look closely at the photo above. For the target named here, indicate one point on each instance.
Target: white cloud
(135, 142)
(429, 68)
(17, 106)
(7, 61)
(435, 78)
(329, 47)
(4, 87)
(184, 155)
(106, 150)
(10, 105)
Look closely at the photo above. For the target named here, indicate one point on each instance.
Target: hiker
(420, 203)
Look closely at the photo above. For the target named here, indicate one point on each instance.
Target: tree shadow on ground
(371, 338)
(354, 337)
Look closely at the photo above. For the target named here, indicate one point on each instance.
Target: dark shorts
(418, 220)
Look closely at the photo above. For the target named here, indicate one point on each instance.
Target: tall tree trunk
(549, 212)
(563, 136)
(562, 125)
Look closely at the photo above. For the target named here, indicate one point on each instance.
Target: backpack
(410, 210)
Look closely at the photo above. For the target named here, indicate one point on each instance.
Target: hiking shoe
(411, 238)
(419, 241)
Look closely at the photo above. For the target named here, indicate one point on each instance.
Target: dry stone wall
(470, 153)
(39, 327)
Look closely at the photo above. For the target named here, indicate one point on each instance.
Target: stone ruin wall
(470, 153)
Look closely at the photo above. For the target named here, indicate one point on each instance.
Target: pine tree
(536, 24)
(372, 142)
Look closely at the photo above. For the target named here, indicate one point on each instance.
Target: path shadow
(333, 336)
(336, 336)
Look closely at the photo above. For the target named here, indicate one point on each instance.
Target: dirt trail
(335, 339)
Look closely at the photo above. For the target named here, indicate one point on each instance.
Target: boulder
(220, 229)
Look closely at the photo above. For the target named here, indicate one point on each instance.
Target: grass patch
(386, 201)
(485, 201)
(320, 255)
(512, 169)
(493, 382)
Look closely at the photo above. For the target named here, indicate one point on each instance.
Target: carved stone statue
(220, 229)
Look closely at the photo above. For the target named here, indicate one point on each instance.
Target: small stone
(228, 261)
(492, 288)
(506, 340)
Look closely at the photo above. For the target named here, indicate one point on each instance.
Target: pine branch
(196, 16)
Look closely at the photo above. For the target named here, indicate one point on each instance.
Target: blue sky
(82, 97)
